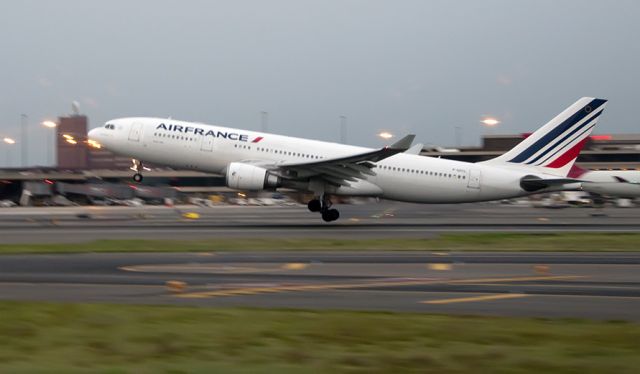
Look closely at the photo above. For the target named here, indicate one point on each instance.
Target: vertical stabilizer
(554, 147)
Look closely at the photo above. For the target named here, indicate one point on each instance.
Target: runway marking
(190, 269)
(516, 279)
(295, 266)
(577, 286)
(211, 268)
(337, 286)
(476, 298)
(439, 267)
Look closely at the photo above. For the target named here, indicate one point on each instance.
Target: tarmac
(578, 285)
(603, 286)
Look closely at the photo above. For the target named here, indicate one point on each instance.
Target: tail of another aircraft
(554, 147)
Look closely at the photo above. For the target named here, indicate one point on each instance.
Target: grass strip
(70, 338)
(580, 242)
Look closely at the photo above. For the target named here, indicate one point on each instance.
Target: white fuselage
(609, 176)
(604, 182)
(403, 177)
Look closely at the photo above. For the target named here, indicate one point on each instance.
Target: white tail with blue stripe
(554, 147)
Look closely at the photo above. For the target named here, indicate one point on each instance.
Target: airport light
(490, 121)
(49, 124)
(71, 141)
(24, 140)
(385, 135)
(67, 136)
(9, 141)
(94, 144)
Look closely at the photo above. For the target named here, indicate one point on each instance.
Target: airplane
(620, 183)
(257, 161)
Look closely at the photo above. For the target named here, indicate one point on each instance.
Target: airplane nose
(94, 134)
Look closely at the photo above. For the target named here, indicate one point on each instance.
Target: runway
(374, 220)
(602, 286)
(589, 285)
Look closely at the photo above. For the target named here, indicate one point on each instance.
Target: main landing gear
(137, 167)
(323, 205)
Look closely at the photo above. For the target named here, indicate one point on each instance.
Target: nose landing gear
(138, 168)
(323, 205)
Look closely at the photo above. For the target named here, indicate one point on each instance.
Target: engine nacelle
(249, 177)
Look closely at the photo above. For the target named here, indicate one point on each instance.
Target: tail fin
(554, 147)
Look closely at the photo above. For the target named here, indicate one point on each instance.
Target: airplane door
(207, 144)
(474, 179)
(136, 132)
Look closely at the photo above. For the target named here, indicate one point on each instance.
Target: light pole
(51, 126)
(24, 140)
(9, 142)
(458, 135)
(264, 121)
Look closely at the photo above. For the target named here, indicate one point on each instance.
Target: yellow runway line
(176, 286)
(295, 266)
(439, 267)
(476, 298)
(337, 286)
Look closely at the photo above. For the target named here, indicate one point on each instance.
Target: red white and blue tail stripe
(554, 147)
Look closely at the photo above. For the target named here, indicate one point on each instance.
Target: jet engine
(249, 177)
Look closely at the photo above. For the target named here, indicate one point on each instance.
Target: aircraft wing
(342, 170)
(415, 149)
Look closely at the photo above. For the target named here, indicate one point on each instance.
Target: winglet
(403, 144)
(415, 149)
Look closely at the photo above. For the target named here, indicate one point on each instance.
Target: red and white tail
(554, 147)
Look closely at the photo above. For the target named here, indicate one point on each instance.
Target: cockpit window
(110, 126)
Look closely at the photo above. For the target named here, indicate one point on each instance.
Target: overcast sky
(420, 67)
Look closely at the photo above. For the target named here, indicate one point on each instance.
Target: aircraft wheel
(314, 205)
(330, 215)
(137, 177)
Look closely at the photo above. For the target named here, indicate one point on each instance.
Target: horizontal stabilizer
(532, 183)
